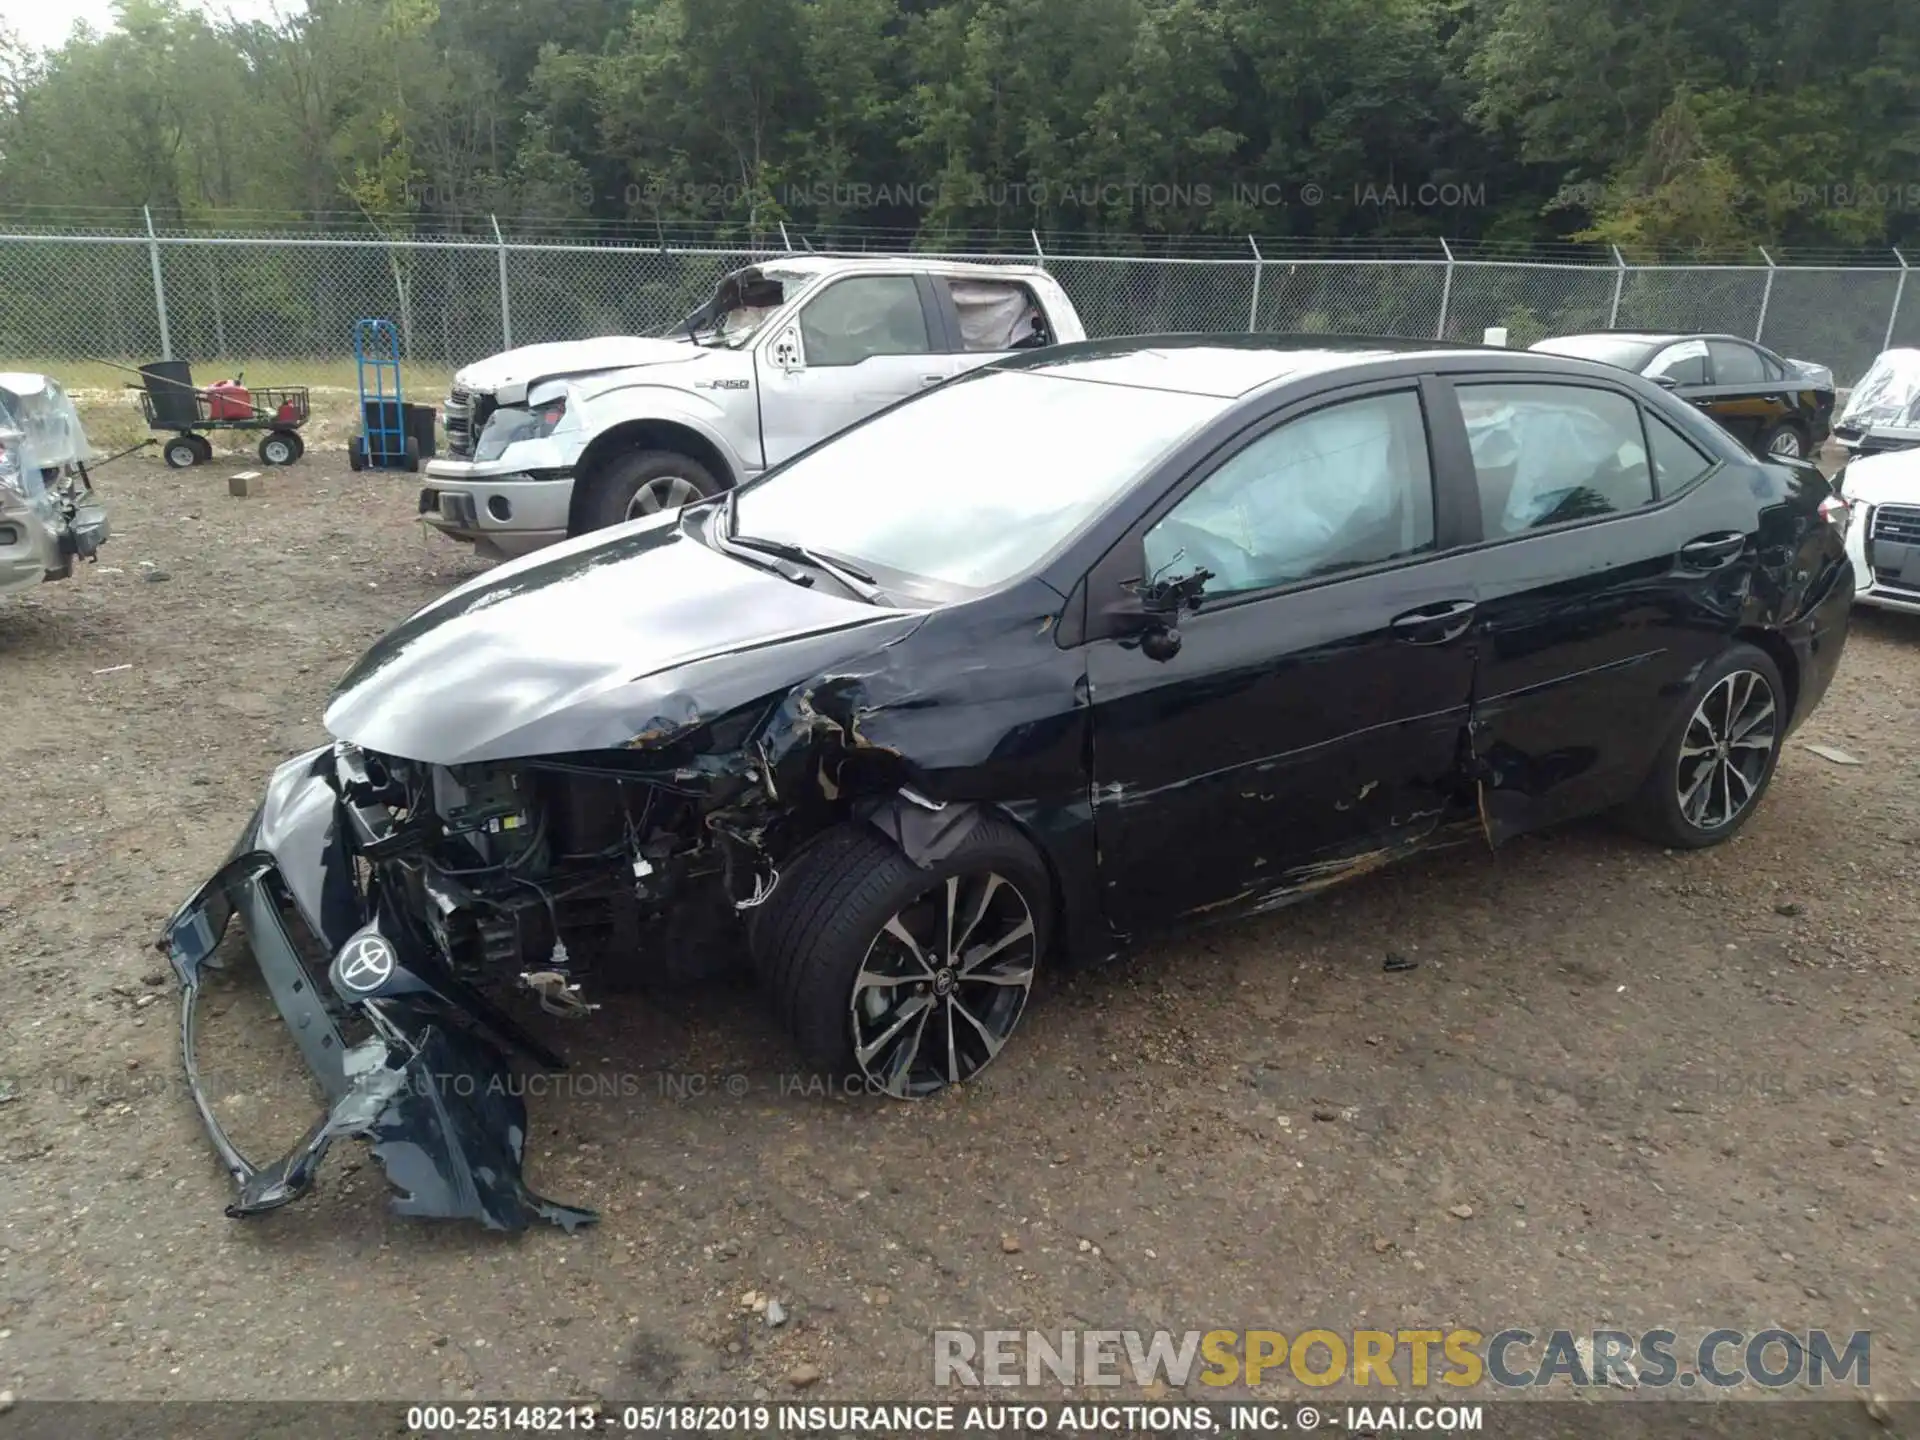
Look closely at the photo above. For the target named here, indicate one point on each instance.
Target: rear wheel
(1784, 442)
(357, 454)
(911, 979)
(640, 483)
(1717, 764)
(410, 456)
(181, 452)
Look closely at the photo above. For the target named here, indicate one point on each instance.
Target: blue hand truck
(383, 442)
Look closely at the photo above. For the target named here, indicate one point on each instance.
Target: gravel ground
(1617, 1086)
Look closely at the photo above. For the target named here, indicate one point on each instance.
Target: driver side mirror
(786, 351)
(1153, 609)
(1666, 382)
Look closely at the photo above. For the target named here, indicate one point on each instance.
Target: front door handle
(1712, 552)
(931, 379)
(1433, 624)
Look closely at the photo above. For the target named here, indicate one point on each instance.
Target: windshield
(1626, 351)
(974, 483)
(740, 304)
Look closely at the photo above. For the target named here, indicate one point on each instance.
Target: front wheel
(356, 454)
(1718, 762)
(280, 447)
(637, 484)
(181, 453)
(908, 979)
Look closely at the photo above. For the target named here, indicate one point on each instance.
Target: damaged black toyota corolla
(1090, 642)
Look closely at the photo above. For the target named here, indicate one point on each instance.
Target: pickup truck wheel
(640, 483)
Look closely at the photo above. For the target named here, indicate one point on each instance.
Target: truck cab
(551, 441)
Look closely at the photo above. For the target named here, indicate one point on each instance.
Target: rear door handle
(1711, 552)
(1433, 624)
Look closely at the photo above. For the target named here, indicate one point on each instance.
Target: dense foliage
(1669, 125)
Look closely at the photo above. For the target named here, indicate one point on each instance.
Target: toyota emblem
(366, 964)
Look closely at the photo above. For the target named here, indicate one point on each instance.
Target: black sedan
(1090, 643)
(1775, 406)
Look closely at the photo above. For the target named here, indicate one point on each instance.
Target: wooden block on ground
(247, 482)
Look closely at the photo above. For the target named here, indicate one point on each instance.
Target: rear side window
(1547, 454)
(997, 315)
(1677, 462)
(1736, 364)
(1684, 364)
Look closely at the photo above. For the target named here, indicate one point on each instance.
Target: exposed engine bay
(557, 876)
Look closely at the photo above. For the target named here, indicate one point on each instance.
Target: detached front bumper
(504, 515)
(434, 1098)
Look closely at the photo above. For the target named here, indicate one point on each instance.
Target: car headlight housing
(12, 475)
(512, 424)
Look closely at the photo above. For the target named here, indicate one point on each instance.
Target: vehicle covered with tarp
(1883, 411)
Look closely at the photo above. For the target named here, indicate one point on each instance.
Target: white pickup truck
(549, 441)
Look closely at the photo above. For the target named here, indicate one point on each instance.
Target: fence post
(1253, 309)
(1766, 295)
(1036, 248)
(785, 243)
(1446, 293)
(159, 286)
(506, 309)
(1899, 289)
(1619, 280)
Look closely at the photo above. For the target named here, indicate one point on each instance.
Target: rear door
(1614, 560)
(1747, 392)
(1312, 721)
(857, 345)
(987, 317)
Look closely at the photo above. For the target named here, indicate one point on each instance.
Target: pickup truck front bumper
(501, 512)
(425, 1087)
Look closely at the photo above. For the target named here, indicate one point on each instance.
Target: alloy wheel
(669, 492)
(1725, 753)
(1786, 445)
(943, 985)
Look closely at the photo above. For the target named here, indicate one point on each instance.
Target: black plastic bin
(418, 424)
(170, 383)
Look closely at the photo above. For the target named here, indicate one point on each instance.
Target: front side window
(869, 315)
(967, 486)
(1336, 489)
(1736, 364)
(1684, 364)
(1546, 454)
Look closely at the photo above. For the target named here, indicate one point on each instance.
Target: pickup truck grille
(465, 415)
(1896, 524)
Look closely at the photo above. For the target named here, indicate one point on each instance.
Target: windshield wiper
(845, 571)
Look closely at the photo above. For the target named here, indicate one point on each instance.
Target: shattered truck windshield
(739, 306)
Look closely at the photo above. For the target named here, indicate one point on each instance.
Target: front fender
(608, 411)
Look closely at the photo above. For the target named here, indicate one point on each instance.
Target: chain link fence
(238, 299)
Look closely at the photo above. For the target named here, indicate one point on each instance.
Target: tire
(410, 455)
(1683, 803)
(279, 447)
(621, 489)
(204, 446)
(356, 454)
(1785, 441)
(833, 921)
(181, 453)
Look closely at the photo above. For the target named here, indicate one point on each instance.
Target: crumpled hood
(632, 634)
(507, 375)
(1889, 479)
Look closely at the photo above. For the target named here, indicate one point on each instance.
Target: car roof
(802, 263)
(1653, 337)
(1224, 367)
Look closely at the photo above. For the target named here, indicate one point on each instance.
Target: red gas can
(229, 400)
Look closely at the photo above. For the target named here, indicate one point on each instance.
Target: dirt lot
(1619, 1087)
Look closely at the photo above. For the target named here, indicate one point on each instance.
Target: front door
(856, 347)
(1312, 721)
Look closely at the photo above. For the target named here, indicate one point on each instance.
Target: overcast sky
(44, 23)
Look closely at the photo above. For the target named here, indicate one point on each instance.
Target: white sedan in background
(1880, 428)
